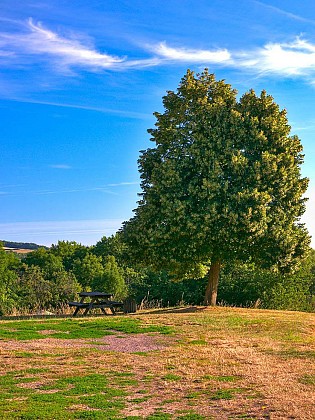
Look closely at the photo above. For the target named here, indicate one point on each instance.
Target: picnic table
(98, 300)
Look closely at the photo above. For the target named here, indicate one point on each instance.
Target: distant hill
(21, 246)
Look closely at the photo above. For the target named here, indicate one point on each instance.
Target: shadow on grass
(182, 310)
(186, 309)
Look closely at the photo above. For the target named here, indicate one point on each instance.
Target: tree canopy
(222, 183)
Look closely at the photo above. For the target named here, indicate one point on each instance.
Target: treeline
(20, 245)
(46, 279)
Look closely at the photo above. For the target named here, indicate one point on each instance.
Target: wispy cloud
(285, 13)
(122, 184)
(64, 53)
(105, 189)
(191, 55)
(46, 43)
(48, 232)
(118, 112)
(60, 166)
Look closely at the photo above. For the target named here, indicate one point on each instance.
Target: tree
(112, 245)
(34, 290)
(9, 265)
(111, 280)
(88, 270)
(222, 183)
(69, 251)
(46, 260)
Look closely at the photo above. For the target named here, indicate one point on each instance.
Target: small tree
(88, 270)
(35, 292)
(222, 183)
(9, 264)
(112, 280)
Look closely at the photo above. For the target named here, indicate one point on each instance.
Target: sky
(80, 80)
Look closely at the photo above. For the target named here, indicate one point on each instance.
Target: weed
(171, 377)
(307, 379)
(159, 416)
(222, 394)
(301, 354)
(191, 416)
(193, 395)
(198, 342)
(223, 378)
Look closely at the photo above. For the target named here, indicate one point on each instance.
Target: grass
(75, 328)
(308, 379)
(216, 363)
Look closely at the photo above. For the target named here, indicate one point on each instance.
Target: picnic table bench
(98, 300)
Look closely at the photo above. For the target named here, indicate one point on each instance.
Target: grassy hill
(20, 247)
(186, 363)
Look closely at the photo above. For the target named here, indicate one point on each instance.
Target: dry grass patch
(220, 363)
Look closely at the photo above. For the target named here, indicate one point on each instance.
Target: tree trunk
(212, 286)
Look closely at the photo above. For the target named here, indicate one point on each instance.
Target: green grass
(75, 328)
(191, 416)
(92, 391)
(222, 394)
(307, 379)
(296, 353)
(198, 342)
(223, 378)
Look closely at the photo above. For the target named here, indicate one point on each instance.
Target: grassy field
(189, 363)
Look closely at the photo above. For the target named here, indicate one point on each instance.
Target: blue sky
(79, 81)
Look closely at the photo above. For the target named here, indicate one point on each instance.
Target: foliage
(223, 183)
(46, 260)
(244, 284)
(8, 279)
(42, 282)
(112, 279)
(112, 245)
(157, 288)
(88, 270)
(69, 251)
(34, 291)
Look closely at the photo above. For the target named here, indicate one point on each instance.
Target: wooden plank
(78, 304)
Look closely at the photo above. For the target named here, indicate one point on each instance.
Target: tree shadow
(189, 309)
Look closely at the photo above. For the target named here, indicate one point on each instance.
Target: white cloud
(191, 55)
(287, 59)
(39, 44)
(46, 43)
(42, 40)
(65, 53)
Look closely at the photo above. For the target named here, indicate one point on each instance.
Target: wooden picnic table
(98, 300)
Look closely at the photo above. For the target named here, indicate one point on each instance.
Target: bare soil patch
(126, 343)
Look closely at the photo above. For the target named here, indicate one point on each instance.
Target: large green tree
(223, 182)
